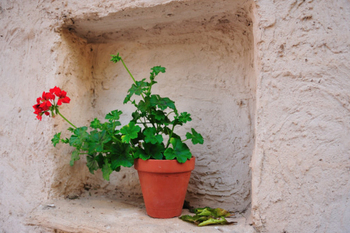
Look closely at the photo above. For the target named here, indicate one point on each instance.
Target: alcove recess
(207, 49)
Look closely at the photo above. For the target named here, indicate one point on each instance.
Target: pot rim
(164, 166)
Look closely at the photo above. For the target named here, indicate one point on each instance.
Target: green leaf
(221, 212)
(206, 212)
(56, 139)
(100, 160)
(151, 136)
(187, 218)
(66, 140)
(166, 102)
(135, 116)
(157, 69)
(196, 219)
(127, 97)
(123, 159)
(116, 58)
(71, 129)
(184, 117)
(91, 163)
(129, 132)
(198, 210)
(213, 221)
(154, 151)
(195, 137)
(208, 216)
(97, 140)
(144, 105)
(159, 115)
(110, 126)
(75, 156)
(154, 99)
(96, 124)
(120, 155)
(139, 87)
(180, 151)
(106, 170)
(139, 153)
(136, 141)
(79, 137)
(162, 103)
(113, 115)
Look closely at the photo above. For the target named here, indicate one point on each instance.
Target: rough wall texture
(293, 103)
(207, 48)
(301, 161)
(27, 67)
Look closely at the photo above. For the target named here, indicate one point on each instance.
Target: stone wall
(266, 84)
(301, 161)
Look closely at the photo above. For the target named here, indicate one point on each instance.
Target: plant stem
(170, 113)
(170, 135)
(130, 75)
(116, 139)
(128, 71)
(66, 119)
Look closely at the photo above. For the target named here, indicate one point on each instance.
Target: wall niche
(207, 48)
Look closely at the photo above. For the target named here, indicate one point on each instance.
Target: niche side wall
(73, 74)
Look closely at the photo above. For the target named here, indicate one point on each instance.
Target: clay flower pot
(164, 185)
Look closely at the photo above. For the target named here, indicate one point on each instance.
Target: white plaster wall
(27, 67)
(36, 54)
(300, 167)
(301, 161)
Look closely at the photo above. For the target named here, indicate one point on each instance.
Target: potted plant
(161, 157)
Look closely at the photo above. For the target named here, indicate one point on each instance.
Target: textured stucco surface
(267, 83)
(208, 50)
(301, 163)
(111, 215)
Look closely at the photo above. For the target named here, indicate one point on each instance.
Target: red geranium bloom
(37, 109)
(48, 96)
(40, 111)
(55, 90)
(46, 105)
(45, 102)
(62, 95)
(63, 98)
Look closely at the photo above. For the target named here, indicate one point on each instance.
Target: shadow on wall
(207, 48)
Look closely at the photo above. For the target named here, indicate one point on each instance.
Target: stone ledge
(101, 214)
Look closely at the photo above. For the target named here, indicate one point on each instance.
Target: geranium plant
(108, 145)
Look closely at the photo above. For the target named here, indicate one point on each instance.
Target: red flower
(39, 110)
(63, 98)
(55, 90)
(46, 102)
(46, 105)
(48, 96)
(62, 95)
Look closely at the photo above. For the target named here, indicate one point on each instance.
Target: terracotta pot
(164, 185)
